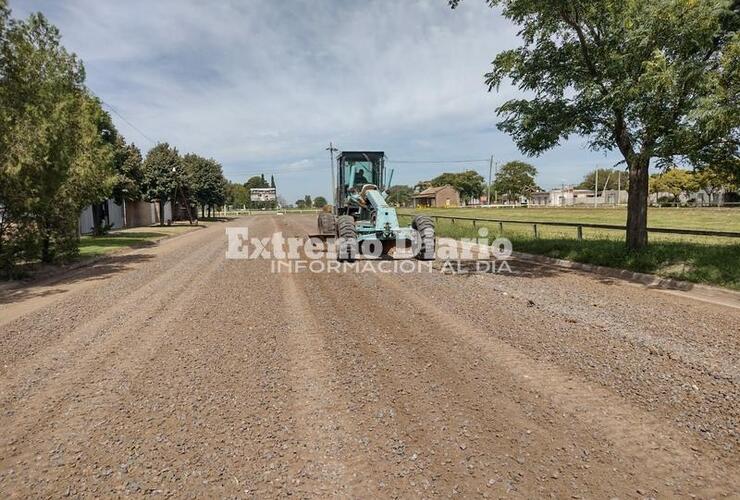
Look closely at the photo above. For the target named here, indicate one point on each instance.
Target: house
(127, 214)
(568, 196)
(539, 199)
(437, 197)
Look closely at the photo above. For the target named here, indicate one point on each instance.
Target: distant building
(568, 196)
(127, 214)
(437, 197)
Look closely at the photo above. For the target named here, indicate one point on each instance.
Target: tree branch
(583, 44)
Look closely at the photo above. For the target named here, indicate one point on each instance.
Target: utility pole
(490, 171)
(331, 150)
(596, 189)
(495, 176)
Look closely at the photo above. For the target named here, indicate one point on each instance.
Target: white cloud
(265, 85)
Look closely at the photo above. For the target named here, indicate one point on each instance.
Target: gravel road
(171, 370)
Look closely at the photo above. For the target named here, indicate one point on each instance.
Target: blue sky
(263, 86)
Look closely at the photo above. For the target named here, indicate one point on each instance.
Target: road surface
(171, 370)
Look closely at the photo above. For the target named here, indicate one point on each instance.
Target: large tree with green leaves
(675, 181)
(129, 174)
(658, 80)
(237, 195)
(56, 142)
(713, 180)
(515, 179)
(205, 180)
(163, 175)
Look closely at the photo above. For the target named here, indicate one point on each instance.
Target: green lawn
(698, 259)
(91, 246)
(726, 219)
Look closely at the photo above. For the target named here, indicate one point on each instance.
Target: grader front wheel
(425, 227)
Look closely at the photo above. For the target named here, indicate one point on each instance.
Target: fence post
(534, 226)
(474, 222)
(453, 220)
(580, 232)
(501, 228)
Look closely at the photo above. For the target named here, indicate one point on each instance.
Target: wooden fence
(578, 226)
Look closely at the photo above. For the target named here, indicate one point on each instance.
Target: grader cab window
(363, 173)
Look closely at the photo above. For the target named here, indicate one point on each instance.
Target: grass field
(698, 259)
(92, 246)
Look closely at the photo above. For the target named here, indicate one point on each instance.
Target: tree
(307, 201)
(300, 203)
(515, 179)
(129, 175)
(205, 180)
(656, 80)
(468, 183)
(609, 178)
(272, 182)
(55, 143)
(236, 195)
(675, 182)
(713, 180)
(400, 195)
(319, 202)
(162, 170)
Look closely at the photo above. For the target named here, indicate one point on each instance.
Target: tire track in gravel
(648, 447)
(96, 371)
(461, 430)
(75, 346)
(641, 365)
(239, 382)
(209, 415)
(636, 436)
(379, 447)
(132, 289)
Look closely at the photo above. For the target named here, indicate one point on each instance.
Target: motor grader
(362, 221)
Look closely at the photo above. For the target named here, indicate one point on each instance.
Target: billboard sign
(263, 194)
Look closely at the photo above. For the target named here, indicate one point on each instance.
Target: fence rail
(579, 226)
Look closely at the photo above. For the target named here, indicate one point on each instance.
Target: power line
(129, 123)
(304, 168)
(437, 161)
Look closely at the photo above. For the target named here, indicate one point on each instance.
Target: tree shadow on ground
(21, 290)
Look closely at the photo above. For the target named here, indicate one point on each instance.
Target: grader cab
(361, 219)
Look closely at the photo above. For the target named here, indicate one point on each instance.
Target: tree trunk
(46, 256)
(202, 211)
(637, 203)
(161, 212)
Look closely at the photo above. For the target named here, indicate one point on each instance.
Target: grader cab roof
(361, 155)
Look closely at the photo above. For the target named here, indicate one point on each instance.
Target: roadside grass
(698, 259)
(93, 246)
(720, 219)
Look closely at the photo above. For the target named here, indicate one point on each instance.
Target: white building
(568, 196)
(127, 214)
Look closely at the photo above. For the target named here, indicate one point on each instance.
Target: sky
(264, 86)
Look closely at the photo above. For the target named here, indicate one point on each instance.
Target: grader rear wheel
(347, 233)
(327, 224)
